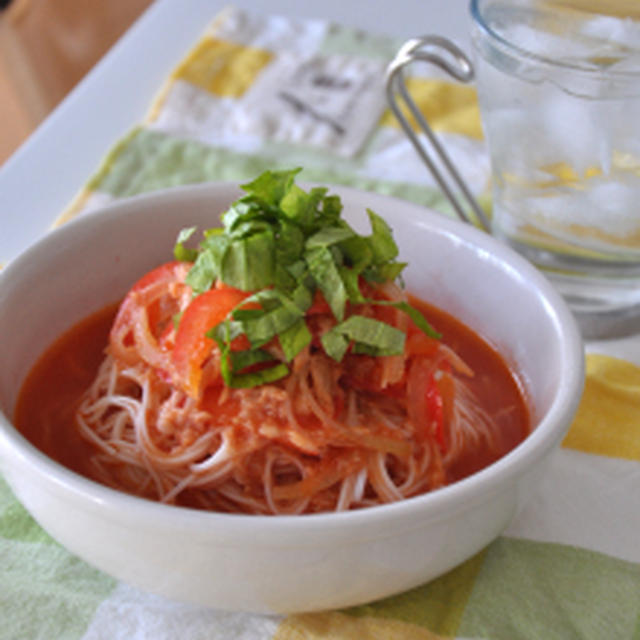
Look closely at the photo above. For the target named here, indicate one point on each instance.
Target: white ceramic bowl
(285, 563)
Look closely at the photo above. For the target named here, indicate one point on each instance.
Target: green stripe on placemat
(523, 590)
(15, 521)
(149, 160)
(438, 605)
(56, 592)
(345, 41)
(532, 590)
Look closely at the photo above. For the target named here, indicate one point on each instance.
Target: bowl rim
(537, 444)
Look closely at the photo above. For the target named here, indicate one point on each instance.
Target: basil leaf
(350, 279)
(225, 332)
(331, 209)
(370, 336)
(381, 241)
(358, 252)
(248, 263)
(242, 359)
(238, 212)
(289, 243)
(327, 277)
(294, 339)
(181, 252)
(369, 350)
(255, 379)
(268, 299)
(272, 186)
(301, 207)
(269, 325)
(298, 270)
(203, 273)
(418, 319)
(212, 237)
(390, 270)
(335, 344)
(302, 297)
(222, 335)
(282, 279)
(241, 315)
(328, 236)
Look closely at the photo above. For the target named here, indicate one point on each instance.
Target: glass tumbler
(559, 91)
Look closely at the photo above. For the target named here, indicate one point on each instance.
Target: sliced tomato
(168, 272)
(146, 312)
(192, 346)
(165, 274)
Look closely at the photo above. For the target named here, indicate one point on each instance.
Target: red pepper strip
(435, 410)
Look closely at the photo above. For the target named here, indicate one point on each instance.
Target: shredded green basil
(284, 244)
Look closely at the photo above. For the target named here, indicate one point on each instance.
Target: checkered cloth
(271, 92)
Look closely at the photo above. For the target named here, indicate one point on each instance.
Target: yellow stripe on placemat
(223, 68)
(608, 419)
(448, 107)
(339, 626)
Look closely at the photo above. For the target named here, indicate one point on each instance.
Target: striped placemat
(258, 92)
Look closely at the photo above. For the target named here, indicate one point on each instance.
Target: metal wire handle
(426, 49)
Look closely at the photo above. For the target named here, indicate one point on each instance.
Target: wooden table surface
(46, 48)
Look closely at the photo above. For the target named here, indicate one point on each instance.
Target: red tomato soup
(50, 397)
